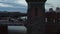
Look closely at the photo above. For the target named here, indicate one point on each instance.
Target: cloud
(13, 5)
(5, 5)
(54, 2)
(15, 1)
(8, 1)
(20, 2)
(23, 2)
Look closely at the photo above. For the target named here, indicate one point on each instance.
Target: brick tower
(36, 8)
(36, 16)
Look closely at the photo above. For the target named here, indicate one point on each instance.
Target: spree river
(17, 29)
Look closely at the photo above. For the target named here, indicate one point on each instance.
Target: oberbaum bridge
(36, 23)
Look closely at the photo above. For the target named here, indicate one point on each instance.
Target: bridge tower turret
(36, 16)
(36, 8)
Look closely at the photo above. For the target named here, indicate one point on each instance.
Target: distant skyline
(52, 3)
(21, 5)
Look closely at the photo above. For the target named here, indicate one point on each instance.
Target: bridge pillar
(36, 16)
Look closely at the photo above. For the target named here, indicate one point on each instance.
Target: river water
(17, 29)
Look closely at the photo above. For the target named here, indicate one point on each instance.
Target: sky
(52, 4)
(13, 5)
(21, 5)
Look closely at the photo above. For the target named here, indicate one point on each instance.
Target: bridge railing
(52, 17)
